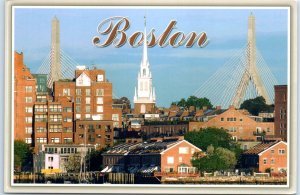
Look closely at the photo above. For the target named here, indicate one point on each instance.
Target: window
(68, 119)
(87, 108)
(183, 150)
(281, 151)
(28, 119)
(68, 140)
(99, 108)
(78, 100)
(41, 140)
(98, 126)
(28, 140)
(78, 108)
(55, 128)
(28, 109)
(222, 119)
(54, 140)
(66, 92)
(241, 119)
(272, 151)
(170, 160)
(40, 129)
(99, 100)
(50, 158)
(67, 109)
(232, 129)
(40, 118)
(40, 108)
(55, 108)
(265, 161)
(87, 92)
(67, 130)
(99, 92)
(28, 89)
(88, 100)
(234, 138)
(28, 130)
(273, 161)
(28, 99)
(87, 116)
(115, 117)
(99, 78)
(78, 91)
(55, 118)
(78, 116)
(41, 98)
(50, 167)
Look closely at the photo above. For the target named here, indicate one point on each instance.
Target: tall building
(281, 111)
(93, 110)
(24, 98)
(55, 68)
(144, 96)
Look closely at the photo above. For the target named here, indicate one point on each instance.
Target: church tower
(144, 96)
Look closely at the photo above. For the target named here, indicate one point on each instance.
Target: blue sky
(177, 72)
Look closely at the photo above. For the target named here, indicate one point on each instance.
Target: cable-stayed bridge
(246, 75)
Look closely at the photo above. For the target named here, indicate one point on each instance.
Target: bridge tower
(55, 56)
(250, 74)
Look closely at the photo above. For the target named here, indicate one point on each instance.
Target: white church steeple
(144, 92)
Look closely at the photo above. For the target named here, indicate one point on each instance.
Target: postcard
(142, 98)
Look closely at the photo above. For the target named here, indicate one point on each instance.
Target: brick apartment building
(264, 156)
(161, 156)
(238, 123)
(80, 111)
(281, 111)
(24, 98)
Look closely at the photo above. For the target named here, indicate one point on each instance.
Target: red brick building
(161, 156)
(267, 156)
(24, 98)
(177, 158)
(238, 123)
(281, 111)
(80, 112)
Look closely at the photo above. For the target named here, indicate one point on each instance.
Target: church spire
(145, 53)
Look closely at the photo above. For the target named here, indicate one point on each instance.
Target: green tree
(73, 164)
(215, 137)
(193, 101)
(215, 160)
(209, 136)
(257, 105)
(23, 156)
(182, 103)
